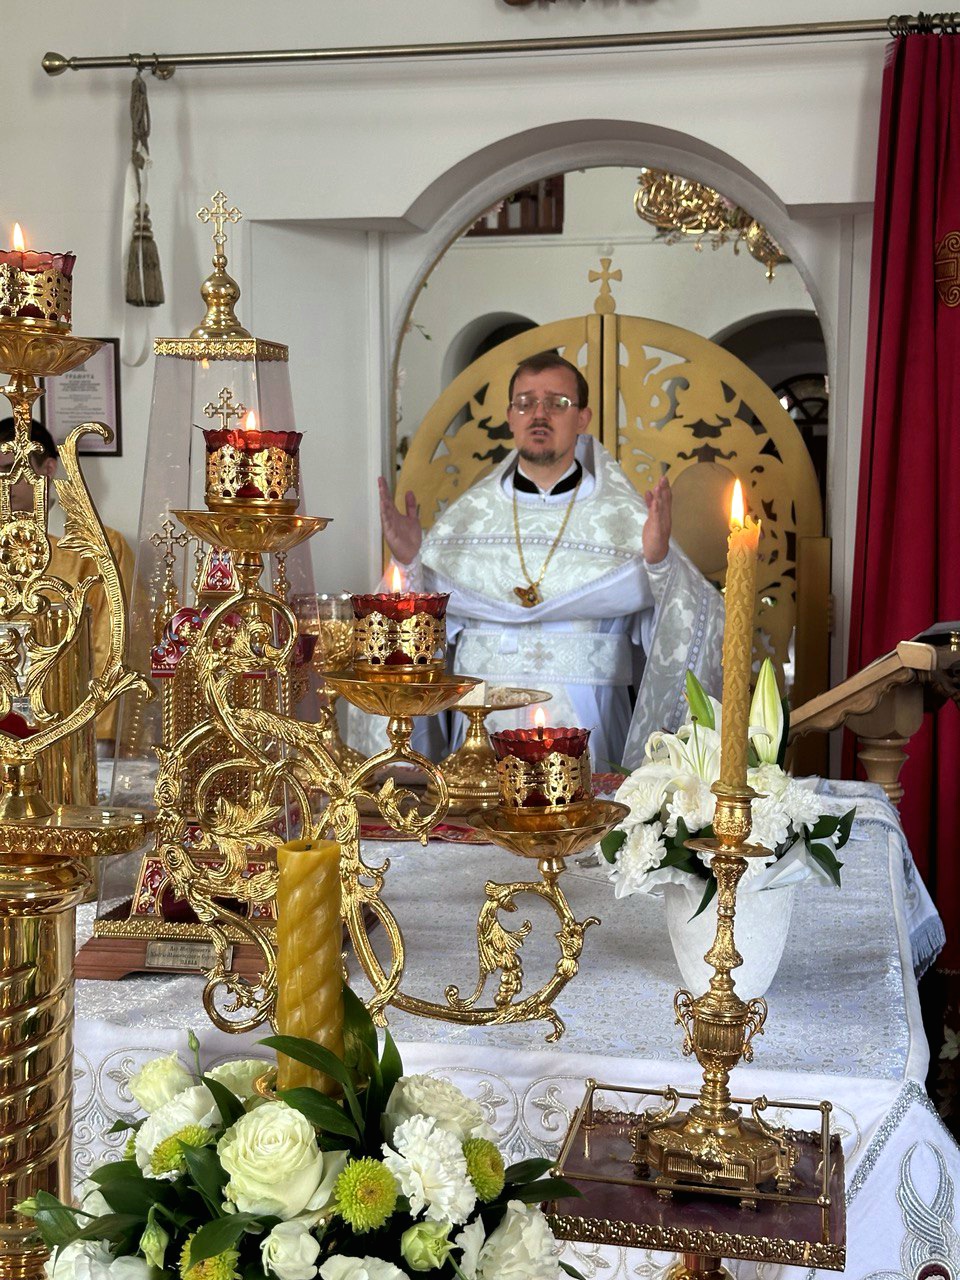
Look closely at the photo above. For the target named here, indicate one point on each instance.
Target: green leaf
(571, 1271)
(845, 827)
(124, 1123)
(708, 894)
(828, 860)
(526, 1171)
(56, 1223)
(114, 1171)
(701, 708)
(359, 1033)
(228, 1104)
(824, 827)
(545, 1189)
(222, 1233)
(684, 860)
(321, 1111)
(390, 1063)
(110, 1226)
(610, 767)
(612, 843)
(131, 1194)
(208, 1174)
(321, 1059)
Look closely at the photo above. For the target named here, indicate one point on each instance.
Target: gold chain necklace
(530, 595)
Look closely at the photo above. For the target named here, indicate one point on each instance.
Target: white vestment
(602, 608)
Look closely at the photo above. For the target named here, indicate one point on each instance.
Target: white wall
(388, 162)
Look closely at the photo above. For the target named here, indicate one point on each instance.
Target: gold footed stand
(471, 771)
(713, 1144)
(42, 847)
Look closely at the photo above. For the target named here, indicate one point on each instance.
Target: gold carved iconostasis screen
(666, 401)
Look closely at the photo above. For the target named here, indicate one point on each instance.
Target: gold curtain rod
(164, 64)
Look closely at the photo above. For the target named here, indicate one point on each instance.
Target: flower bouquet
(671, 802)
(226, 1180)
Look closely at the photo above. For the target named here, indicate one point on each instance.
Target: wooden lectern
(884, 703)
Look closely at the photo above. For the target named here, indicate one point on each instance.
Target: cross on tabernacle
(224, 408)
(218, 215)
(605, 304)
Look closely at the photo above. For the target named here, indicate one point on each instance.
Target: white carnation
(639, 854)
(470, 1240)
(521, 1248)
(430, 1166)
(275, 1165)
(290, 1251)
(158, 1082)
(694, 802)
(449, 1106)
(240, 1075)
(193, 1106)
(340, 1267)
(92, 1200)
(126, 1267)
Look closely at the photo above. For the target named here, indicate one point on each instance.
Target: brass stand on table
(42, 876)
(471, 771)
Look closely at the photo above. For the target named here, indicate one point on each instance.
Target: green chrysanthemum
(168, 1155)
(366, 1194)
(222, 1266)
(484, 1167)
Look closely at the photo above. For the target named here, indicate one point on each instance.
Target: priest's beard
(544, 457)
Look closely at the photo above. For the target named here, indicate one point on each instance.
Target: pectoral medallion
(528, 596)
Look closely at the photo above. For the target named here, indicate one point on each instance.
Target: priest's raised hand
(656, 530)
(402, 530)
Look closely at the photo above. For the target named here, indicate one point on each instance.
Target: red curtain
(907, 572)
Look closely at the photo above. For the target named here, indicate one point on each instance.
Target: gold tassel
(144, 280)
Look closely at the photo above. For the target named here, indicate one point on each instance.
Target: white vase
(760, 934)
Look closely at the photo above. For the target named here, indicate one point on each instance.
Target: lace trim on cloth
(526, 653)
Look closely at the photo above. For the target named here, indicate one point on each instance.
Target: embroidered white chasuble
(605, 617)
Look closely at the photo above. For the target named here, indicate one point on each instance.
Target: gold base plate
(382, 696)
(582, 830)
(258, 529)
(80, 831)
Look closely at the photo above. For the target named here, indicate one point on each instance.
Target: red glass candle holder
(36, 288)
(542, 768)
(254, 467)
(402, 630)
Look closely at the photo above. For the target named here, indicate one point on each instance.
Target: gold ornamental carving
(420, 638)
(273, 472)
(946, 269)
(558, 779)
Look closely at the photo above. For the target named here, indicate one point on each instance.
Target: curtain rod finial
(54, 64)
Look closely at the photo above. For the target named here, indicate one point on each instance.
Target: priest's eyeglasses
(525, 404)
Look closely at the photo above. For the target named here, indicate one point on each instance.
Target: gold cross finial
(605, 304)
(218, 215)
(224, 408)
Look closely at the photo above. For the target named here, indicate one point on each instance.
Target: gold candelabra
(713, 1144)
(42, 874)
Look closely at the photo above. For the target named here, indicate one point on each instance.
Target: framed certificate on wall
(88, 393)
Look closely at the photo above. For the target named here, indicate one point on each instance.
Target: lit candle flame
(250, 421)
(737, 507)
(204, 364)
(18, 242)
(539, 718)
(396, 580)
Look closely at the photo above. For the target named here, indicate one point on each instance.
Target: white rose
(430, 1166)
(193, 1106)
(73, 1258)
(340, 1267)
(452, 1110)
(275, 1165)
(636, 858)
(240, 1076)
(521, 1248)
(290, 1251)
(158, 1081)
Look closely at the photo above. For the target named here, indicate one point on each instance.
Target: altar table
(844, 1024)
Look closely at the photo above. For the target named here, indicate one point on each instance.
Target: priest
(562, 577)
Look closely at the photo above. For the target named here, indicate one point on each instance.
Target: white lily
(766, 715)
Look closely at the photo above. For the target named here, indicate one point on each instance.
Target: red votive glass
(22, 297)
(533, 745)
(396, 606)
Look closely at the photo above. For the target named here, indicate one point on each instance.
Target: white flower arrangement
(671, 801)
(219, 1182)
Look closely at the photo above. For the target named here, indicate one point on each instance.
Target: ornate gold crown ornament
(680, 207)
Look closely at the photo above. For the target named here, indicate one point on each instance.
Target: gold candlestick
(740, 603)
(309, 969)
